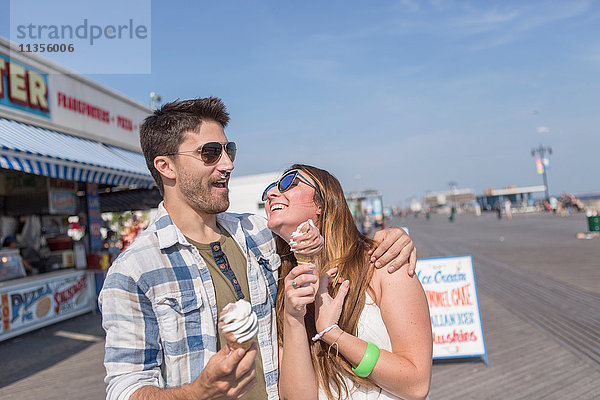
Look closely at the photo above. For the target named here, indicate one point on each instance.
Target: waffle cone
(236, 345)
(303, 259)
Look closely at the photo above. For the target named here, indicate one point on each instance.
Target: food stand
(37, 301)
(65, 143)
(367, 209)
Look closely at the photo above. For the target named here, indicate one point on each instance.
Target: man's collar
(166, 231)
(169, 234)
(233, 225)
(228, 222)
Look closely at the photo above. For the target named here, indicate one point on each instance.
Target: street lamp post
(452, 185)
(154, 97)
(541, 151)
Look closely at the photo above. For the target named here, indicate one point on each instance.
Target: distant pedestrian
(553, 204)
(498, 209)
(113, 245)
(507, 209)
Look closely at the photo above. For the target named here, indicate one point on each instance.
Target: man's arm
(394, 250)
(133, 352)
(225, 376)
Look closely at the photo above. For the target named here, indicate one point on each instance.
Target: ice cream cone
(234, 344)
(302, 229)
(303, 258)
(239, 325)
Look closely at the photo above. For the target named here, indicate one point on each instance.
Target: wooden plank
(541, 335)
(523, 360)
(569, 314)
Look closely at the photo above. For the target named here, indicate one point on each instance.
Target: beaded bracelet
(367, 364)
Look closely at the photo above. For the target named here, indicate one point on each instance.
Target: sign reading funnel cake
(240, 324)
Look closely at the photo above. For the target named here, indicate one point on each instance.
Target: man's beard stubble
(199, 195)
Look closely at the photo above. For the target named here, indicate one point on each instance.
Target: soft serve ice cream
(240, 324)
(302, 229)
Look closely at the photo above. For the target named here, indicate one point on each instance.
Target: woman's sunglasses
(286, 182)
(211, 152)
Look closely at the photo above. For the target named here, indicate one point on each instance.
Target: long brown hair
(346, 248)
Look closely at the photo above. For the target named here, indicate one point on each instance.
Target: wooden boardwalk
(540, 319)
(524, 363)
(542, 336)
(59, 362)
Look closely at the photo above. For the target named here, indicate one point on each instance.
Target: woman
(364, 338)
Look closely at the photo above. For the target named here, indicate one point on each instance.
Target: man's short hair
(163, 132)
(9, 240)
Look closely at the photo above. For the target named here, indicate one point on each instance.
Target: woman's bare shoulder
(395, 285)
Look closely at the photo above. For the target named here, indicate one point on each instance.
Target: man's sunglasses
(211, 152)
(286, 182)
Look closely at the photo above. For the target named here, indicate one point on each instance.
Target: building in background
(520, 197)
(367, 209)
(245, 192)
(461, 199)
(66, 144)
(245, 195)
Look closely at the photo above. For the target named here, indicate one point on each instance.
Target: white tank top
(371, 329)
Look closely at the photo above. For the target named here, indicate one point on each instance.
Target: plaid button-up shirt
(159, 307)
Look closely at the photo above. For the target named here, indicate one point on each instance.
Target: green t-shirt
(228, 270)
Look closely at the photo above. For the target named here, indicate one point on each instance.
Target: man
(10, 242)
(162, 296)
(507, 210)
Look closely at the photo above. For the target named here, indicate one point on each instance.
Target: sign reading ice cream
(449, 283)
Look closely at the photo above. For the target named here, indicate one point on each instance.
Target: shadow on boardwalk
(62, 361)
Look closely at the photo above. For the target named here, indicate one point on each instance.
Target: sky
(399, 96)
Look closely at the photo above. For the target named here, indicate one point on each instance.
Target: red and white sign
(67, 102)
(41, 301)
(449, 283)
(75, 105)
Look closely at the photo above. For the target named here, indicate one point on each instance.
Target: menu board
(449, 283)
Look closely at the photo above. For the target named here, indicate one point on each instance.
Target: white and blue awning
(50, 153)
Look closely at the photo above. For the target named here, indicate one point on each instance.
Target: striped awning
(46, 152)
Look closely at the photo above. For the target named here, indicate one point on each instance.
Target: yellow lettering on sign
(38, 91)
(17, 86)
